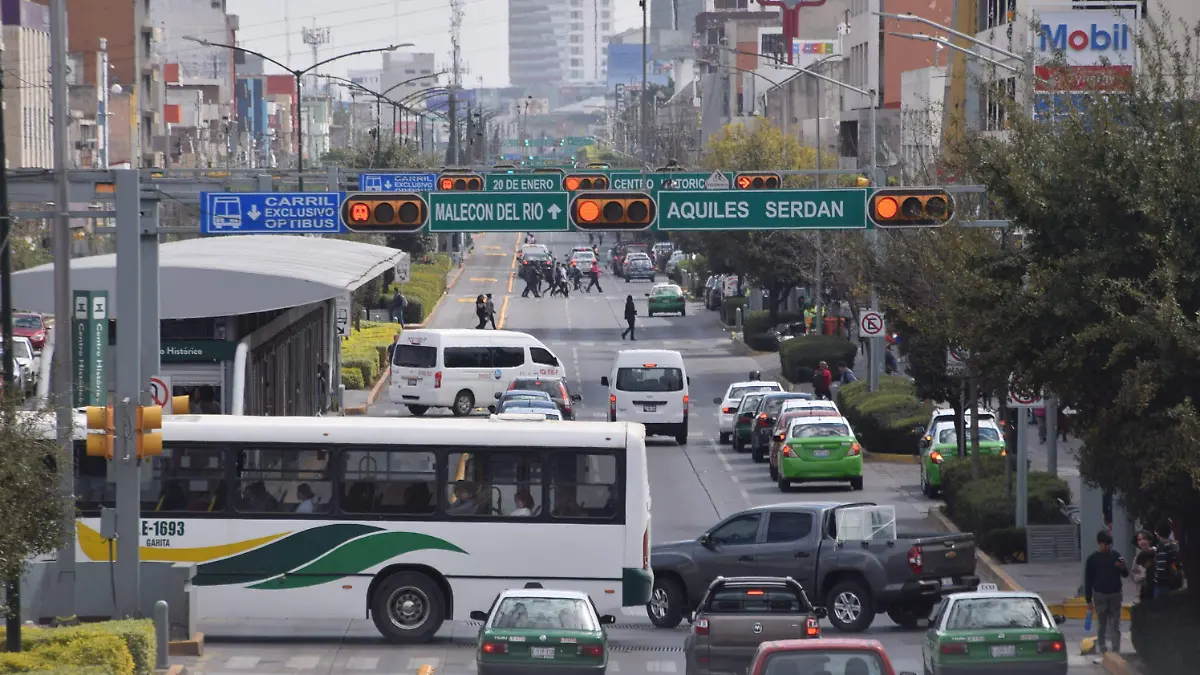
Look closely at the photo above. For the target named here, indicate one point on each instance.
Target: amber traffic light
(100, 426)
(147, 439)
(911, 207)
(612, 211)
(384, 212)
(460, 182)
(757, 181)
(575, 182)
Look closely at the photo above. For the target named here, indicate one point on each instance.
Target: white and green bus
(409, 521)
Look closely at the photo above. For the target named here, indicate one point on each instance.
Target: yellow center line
(503, 313)
(511, 276)
(466, 299)
(484, 279)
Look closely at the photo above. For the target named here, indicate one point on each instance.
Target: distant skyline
(274, 26)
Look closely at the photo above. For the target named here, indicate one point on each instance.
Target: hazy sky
(363, 24)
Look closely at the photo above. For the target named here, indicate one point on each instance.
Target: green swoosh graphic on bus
(355, 556)
(268, 561)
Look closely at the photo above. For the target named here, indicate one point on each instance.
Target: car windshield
(415, 356)
(545, 614)
(21, 349)
(552, 387)
(819, 430)
(774, 405)
(536, 256)
(997, 613)
(985, 434)
(27, 321)
(649, 379)
(750, 403)
(740, 392)
(820, 661)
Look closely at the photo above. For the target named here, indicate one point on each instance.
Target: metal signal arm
(790, 9)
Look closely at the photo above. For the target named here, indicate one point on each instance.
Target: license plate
(649, 408)
(412, 381)
(548, 652)
(947, 582)
(820, 453)
(1004, 650)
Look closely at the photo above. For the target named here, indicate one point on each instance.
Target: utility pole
(642, 112)
(61, 249)
(313, 37)
(456, 17)
(12, 591)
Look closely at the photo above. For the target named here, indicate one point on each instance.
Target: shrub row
(799, 357)
(364, 353)
(108, 648)
(425, 286)
(729, 307)
(757, 324)
(981, 506)
(885, 420)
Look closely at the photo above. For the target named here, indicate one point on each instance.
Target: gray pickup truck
(864, 570)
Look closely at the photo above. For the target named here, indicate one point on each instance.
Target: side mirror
(920, 431)
(604, 382)
(821, 612)
(647, 295)
(705, 541)
(607, 619)
(1060, 619)
(689, 381)
(479, 616)
(576, 398)
(717, 400)
(498, 395)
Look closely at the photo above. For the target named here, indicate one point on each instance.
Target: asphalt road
(692, 486)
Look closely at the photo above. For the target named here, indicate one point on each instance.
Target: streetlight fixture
(380, 98)
(298, 74)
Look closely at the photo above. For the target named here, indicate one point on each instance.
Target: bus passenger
(524, 505)
(464, 499)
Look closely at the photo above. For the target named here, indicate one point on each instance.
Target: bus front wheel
(408, 608)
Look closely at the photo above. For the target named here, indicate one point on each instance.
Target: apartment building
(28, 136)
(553, 43)
(404, 74)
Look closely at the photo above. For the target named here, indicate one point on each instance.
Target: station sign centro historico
(499, 212)
(837, 209)
(635, 181)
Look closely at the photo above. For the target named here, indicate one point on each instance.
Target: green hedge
(886, 420)
(798, 357)
(1164, 633)
(110, 647)
(729, 307)
(758, 323)
(423, 290)
(365, 353)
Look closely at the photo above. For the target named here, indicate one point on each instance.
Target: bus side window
(585, 485)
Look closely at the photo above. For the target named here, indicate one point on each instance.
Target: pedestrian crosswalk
(460, 662)
(650, 342)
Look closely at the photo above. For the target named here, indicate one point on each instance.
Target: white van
(462, 369)
(650, 386)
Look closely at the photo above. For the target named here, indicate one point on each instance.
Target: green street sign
(183, 351)
(499, 211)
(89, 340)
(625, 181)
(522, 182)
(838, 209)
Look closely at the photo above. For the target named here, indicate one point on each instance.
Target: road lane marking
(503, 313)
(242, 662)
(417, 662)
(660, 666)
(302, 662)
(511, 276)
(362, 663)
(729, 470)
(471, 299)
(483, 279)
(492, 248)
(496, 255)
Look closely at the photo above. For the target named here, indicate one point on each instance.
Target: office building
(415, 70)
(28, 136)
(553, 43)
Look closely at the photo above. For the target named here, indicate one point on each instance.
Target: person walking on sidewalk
(490, 308)
(1103, 576)
(630, 318)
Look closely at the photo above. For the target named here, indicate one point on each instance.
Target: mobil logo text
(1088, 37)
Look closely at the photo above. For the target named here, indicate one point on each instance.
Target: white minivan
(462, 369)
(650, 386)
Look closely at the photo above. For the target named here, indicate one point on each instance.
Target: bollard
(737, 323)
(162, 631)
(425, 670)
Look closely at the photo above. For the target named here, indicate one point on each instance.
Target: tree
(31, 503)
(1109, 319)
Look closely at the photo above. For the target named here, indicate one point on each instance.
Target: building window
(576, 74)
(577, 15)
(576, 63)
(606, 15)
(997, 98)
(576, 39)
(578, 51)
(606, 27)
(993, 13)
(772, 44)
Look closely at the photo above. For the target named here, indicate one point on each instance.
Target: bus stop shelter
(251, 318)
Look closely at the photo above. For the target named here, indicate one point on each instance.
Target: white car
(583, 259)
(727, 415)
(676, 256)
(26, 365)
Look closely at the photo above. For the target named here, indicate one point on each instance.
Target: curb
(886, 458)
(991, 572)
(176, 669)
(192, 647)
(1076, 608)
(358, 410)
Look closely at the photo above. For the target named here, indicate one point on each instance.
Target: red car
(844, 656)
(32, 326)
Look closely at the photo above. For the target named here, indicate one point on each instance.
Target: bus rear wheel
(408, 608)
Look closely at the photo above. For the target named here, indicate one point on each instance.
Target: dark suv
(738, 614)
(765, 417)
(557, 388)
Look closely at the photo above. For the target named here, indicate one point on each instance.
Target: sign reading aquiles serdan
(837, 209)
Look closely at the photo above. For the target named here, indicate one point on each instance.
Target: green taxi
(994, 631)
(536, 630)
(820, 449)
(941, 446)
(743, 424)
(666, 299)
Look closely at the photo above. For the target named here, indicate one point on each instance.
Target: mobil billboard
(1088, 37)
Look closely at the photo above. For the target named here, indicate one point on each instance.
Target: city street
(691, 486)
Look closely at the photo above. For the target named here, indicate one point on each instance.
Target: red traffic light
(384, 212)
(758, 181)
(460, 182)
(613, 212)
(911, 207)
(578, 181)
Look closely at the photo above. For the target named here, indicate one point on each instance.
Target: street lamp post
(379, 100)
(298, 74)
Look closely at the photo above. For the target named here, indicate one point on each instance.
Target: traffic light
(384, 212)
(911, 207)
(460, 182)
(100, 419)
(180, 405)
(585, 181)
(757, 181)
(613, 211)
(147, 440)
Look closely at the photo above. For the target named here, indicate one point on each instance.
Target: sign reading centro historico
(838, 209)
(634, 181)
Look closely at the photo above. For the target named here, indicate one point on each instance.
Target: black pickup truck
(868, 571)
